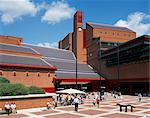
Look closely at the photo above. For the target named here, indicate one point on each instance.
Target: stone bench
(2, 111)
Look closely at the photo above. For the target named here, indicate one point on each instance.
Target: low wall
(27, 101)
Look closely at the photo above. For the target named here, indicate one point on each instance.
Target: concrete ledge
(27, 101)
(28, 96)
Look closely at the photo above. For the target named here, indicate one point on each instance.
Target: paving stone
(13, 116)
(64, 115)
(45, 112)
(118, 115)
(92, 112)
(69, 108)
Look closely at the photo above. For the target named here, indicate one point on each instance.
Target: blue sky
(45, 22)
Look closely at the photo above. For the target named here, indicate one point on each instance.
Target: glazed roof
(97, 25)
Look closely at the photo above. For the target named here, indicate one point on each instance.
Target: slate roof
(18, 60)
(16, 48)
(69, 66)
(72, 75)
(97, 25)
(65, 63)
(52, 52)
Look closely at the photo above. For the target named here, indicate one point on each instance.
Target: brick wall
(10, 40)
(27, 102)
(42, 79)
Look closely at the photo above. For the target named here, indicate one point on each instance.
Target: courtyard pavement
(107, 109)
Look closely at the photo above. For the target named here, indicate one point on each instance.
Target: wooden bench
(126, 107)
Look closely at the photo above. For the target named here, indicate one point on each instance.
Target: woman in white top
(13, 108)
(7, 107)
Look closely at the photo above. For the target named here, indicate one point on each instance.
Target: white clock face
(79, 29)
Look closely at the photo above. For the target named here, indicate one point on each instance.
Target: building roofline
(11, 36)
(90, 23)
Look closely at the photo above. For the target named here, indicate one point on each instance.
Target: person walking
(140, 97)
(76, 103)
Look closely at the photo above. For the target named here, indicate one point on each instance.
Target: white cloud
(49, 45)
(58, 11)
(11, 10)
(135, 22)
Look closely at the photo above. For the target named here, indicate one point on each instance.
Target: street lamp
(76, 73)
(100, 66)
(99, 58)
(118, 63)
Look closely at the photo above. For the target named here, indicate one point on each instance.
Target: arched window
(49, 75)
(14, 73)
(1, 72)
(38, 74)
(27, 74)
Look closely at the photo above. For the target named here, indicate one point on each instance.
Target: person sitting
(48, 105)
(53, 103)
(13, 108)
(7, 108)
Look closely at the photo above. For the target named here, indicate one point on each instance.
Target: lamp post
(99, 58)
(76, 73)
(100, 66)
(76, 50)
(118, 63)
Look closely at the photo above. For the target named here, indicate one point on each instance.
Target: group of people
(116, 94)
(68, 99)
(10, 108)
(64, 100)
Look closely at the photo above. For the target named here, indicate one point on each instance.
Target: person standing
(94, 101)
(140, 97)
(76, 103)
(7, 107)
(97, 101)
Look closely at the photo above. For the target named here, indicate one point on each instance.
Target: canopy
(71, 91)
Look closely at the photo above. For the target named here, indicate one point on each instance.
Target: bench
(2, 111)
(126, 106)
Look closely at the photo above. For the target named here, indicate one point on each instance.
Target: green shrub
(20, 89)
(7, 89)
(35, 90)
(3, 80)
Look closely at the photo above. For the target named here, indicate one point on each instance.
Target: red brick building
(92, 42)
(47, 68)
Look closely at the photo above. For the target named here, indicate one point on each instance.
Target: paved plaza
(107, 109)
